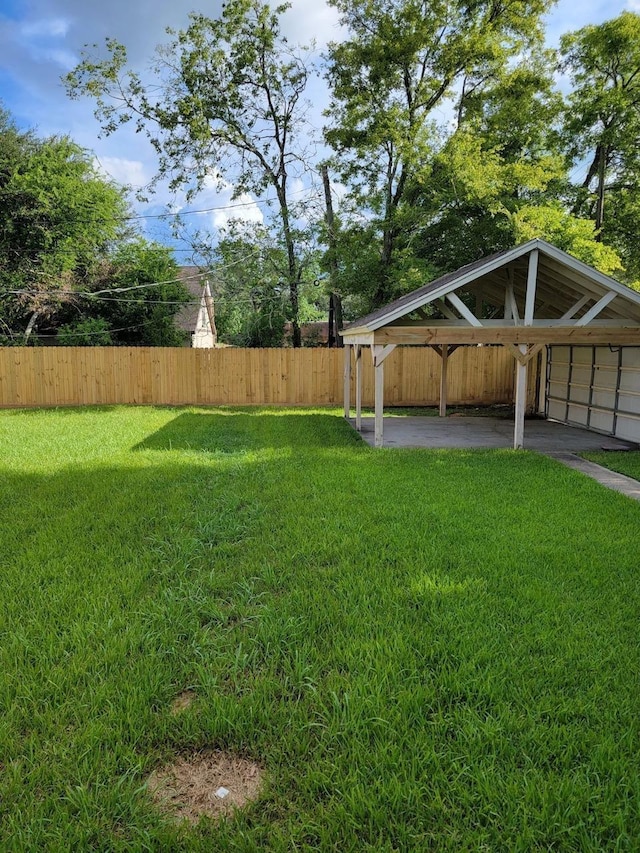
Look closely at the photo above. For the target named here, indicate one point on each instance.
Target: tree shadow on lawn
(239, 432)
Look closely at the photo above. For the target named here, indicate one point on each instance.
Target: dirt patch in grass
(211, 783)
(183, 701)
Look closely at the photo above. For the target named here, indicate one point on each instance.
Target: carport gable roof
(566, 290)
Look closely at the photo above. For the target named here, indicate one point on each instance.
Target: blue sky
(40, 41)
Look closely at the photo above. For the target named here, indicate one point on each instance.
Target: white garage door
(595, 387)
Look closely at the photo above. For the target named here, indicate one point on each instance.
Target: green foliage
(58, 220)
(602, 125)
(90, 332)
(145, 315)
(64, 236)
(576, 236)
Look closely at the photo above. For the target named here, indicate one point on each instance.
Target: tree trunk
(335, 303)
(602, 168)
(292, 272)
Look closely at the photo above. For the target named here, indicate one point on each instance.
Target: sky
(41, 40)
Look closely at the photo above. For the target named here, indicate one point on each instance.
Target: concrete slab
(457, 431)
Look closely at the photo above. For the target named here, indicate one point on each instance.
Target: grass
(626, 462)
(427, 651)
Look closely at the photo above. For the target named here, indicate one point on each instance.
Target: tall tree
(58, 218)
(602, 127)
(226, 102)
(401, 62)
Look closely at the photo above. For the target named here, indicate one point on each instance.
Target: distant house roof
(193, 279)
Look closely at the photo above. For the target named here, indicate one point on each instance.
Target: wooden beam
(532, 279)
(347, 380)
(443, 382)
(510, 304)
(455, 300)
(575, 308)
(365, 339)
(379, 353)
(432, 335)
(593, 312)
(492, 323)
(521, 401)
(524, 356)
(448, 313)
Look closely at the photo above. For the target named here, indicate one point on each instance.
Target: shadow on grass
(240, 432)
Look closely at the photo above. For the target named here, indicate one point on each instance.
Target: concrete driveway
(487, 432)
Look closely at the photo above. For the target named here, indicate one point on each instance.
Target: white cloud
(45, 27)
(315, 21)
(244, 208)
(64, 58)
(131, 173)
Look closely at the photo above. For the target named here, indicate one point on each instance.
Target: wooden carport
(525, 298)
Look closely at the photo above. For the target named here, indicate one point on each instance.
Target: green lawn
(627, 462)
(427, 651)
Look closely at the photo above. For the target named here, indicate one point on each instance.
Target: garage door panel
(581, 376)
(560, 372)
(631, 357)
(606, 357)
(601, 421)
(578, 414)
(556, 410)
(629, 403)
(557, 389)
(628, 427)
(603, 399)
(580, 393)
(630, 380)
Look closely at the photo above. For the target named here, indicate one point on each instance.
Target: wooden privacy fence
(79, 376)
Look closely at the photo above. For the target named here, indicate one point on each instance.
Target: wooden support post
(542, 391)
(443, 380)
(379, 404)
(379, 354)
(347, 381)
(521, 400)
(358, 355)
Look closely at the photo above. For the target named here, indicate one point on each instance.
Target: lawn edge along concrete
(611, 479)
